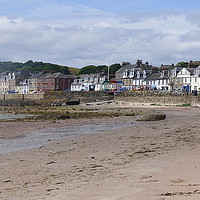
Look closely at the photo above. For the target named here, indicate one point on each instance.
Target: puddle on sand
(46, 136)
(10, 116)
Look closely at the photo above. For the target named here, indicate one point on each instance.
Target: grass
(187, 104)
(74, 70)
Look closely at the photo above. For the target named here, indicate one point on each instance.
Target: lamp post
(108, 73)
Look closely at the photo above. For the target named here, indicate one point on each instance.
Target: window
(144, 74)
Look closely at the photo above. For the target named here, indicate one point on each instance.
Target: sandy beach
(118, 159)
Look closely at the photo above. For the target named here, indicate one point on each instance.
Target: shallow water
(45, 136)
(10, 116)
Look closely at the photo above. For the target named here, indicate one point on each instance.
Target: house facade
(158, 81)
(88, 82)
(188, 79)
(10, 80)
(56, 81)
(134, 76)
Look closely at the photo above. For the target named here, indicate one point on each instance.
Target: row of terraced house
(138, 76)
(166, 78)
(142, 76)
(24, 83)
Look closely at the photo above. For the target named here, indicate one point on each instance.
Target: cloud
(76, 35)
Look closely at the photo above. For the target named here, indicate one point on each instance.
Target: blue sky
(140, 5)
(83, 32)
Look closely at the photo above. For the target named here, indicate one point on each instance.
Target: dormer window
(197, 71)
(126, 73)
(9, 76)
(132, 73)
(13, 75)
(138, 74)
(144, 74)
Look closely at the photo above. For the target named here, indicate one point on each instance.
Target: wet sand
(150, 160)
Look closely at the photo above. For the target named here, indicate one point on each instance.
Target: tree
(90, 69)
(101, 68)
(114, 67)
(33, 67)
(182, 64)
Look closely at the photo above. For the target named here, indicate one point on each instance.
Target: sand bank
(151, 160)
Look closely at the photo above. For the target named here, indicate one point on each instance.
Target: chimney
(139, 63)
(125, 63)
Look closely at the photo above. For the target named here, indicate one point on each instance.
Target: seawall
(86, 97)
(21, 96)
(158, 98)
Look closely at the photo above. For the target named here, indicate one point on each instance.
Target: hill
(74, 70)
(33, 67)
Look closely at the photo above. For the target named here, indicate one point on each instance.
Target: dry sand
(150, 160)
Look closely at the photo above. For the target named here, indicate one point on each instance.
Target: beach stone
(153, 117)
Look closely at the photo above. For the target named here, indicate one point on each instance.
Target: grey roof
(191, 70)
(148, 72)
(164, 74)
(122, 69)
(39, 74)
(153, 76)
(57, 75)
(88, 75)
(45, 75)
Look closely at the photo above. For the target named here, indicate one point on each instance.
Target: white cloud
(75, 35)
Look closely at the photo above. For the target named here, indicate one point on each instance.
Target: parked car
(120, 90)
(11, 92)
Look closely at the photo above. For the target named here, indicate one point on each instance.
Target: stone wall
(158, 98)
(21, 96)
(86, 97)
(83, 96)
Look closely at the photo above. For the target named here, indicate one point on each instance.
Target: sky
(96, 32)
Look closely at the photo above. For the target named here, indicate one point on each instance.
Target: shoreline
(153, 161)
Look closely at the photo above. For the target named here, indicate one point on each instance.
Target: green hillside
(74, 70)
(33, 67)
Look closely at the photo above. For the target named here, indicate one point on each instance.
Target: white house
(87, 82)
(188, 78)
(158, 81)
